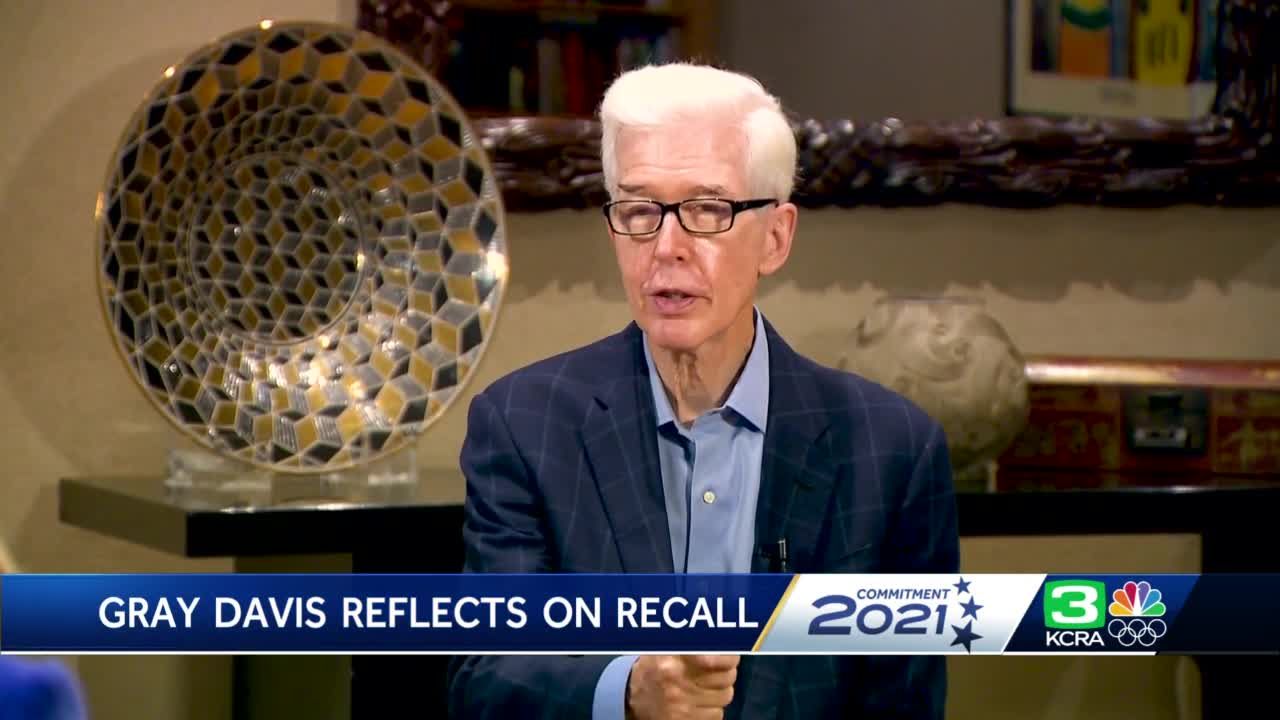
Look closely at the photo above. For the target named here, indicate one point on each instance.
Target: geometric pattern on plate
(301, 247)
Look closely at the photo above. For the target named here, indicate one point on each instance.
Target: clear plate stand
(199, 478)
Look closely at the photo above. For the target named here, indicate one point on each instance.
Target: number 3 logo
(1074, 604)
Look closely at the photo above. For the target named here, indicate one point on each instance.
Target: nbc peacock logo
(1136, 610)
(1136, 599)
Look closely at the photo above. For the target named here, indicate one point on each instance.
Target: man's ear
(778, 236)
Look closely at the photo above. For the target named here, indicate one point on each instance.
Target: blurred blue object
(39, 690)
(1206, 69)
(1120, 39)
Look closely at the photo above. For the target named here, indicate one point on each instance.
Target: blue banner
(609, 614)
(385, 613)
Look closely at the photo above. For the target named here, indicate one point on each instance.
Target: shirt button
(708, 497)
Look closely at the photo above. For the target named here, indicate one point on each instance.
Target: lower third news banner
(611, 614)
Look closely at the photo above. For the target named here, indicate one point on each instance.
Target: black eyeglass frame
(737, 206)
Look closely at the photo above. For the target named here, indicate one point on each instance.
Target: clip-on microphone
(776, 553)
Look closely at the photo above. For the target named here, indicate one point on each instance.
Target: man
(697, 440)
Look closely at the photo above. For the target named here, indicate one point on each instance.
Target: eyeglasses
(703, 216)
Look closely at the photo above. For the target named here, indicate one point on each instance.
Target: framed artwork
(1113, 58)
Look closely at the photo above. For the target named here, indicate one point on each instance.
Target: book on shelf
(561, 68)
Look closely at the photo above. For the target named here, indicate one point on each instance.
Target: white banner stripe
(902, 614)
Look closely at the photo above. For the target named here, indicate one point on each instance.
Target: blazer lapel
(621, 442)
(797, 476)
(796, 481)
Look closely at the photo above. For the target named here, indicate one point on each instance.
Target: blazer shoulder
(575, 372)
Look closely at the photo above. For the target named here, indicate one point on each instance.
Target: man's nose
(672, 243)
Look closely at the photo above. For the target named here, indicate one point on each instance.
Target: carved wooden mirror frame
(1226, 158)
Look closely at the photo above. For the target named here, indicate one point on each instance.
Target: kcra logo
(1075, 614)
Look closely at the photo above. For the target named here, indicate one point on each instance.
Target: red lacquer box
(1103, 421)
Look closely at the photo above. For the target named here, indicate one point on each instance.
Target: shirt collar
(750, 395)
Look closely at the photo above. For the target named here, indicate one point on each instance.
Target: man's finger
(700, 698)
(699, 664)
(716, 680)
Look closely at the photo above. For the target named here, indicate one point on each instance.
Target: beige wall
(1186, 281)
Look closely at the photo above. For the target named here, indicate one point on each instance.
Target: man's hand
(675, 687)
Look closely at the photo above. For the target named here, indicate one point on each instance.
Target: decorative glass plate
(301, 249)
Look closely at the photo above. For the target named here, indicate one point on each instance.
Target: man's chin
(676, 334)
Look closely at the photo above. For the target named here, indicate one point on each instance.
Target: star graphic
(970, 608)
(962, 586)
(965, 635)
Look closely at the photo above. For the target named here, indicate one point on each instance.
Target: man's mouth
(672, 302)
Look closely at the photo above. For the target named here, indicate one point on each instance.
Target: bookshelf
(551, 58)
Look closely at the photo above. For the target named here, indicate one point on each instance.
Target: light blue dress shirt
(711, 483)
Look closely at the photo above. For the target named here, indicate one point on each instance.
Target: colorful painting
(1113, 57)
(1084, 38)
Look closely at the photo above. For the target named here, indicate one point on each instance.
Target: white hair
(683, 92)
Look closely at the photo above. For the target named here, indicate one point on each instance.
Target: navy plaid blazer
(562, 473)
